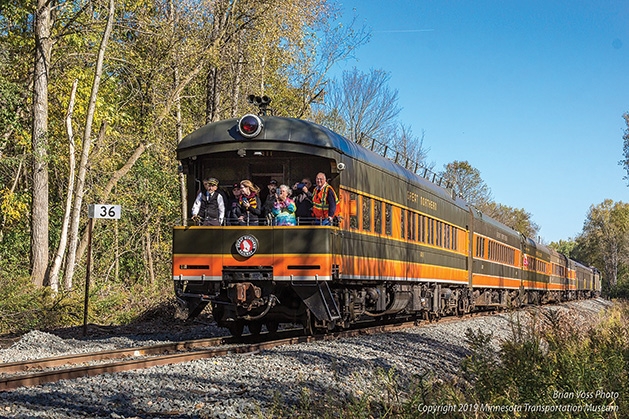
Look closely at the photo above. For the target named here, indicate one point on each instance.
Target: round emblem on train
(246, 245)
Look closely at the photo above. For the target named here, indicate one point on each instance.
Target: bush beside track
(535, 359)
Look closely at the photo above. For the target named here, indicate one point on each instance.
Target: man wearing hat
(209, 207)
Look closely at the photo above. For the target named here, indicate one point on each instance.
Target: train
(401, 245)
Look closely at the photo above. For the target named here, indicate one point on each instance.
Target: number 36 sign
(111, 212)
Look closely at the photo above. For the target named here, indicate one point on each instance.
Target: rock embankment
(237, 386)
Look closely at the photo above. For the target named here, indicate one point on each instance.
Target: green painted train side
(350, 258)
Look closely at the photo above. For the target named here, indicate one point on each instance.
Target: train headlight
(250, 125)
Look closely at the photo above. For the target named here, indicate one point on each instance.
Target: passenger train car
(400, 246)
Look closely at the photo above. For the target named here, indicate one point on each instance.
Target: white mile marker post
(109, 212)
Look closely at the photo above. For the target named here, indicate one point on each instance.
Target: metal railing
(403, 160)
(300, 221)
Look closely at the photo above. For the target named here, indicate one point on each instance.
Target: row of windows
(559, 270)
(375, 215)
(381, 212)
(498, 252)
(494, 251)
(536, 265)
(369, 214)
(423, 229)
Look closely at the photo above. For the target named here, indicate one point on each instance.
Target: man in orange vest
(324, 201)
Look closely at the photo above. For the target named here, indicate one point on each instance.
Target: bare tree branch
(87, 142)
(63, 240)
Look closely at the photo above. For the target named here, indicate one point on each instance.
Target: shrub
(554, 368)
(24, 307)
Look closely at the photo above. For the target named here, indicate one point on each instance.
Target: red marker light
(250, 125)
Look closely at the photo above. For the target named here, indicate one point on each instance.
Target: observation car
(400, 245)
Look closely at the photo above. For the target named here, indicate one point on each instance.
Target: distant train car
(497, 275)
(399, 244)
(587, 281)
(559, 287)
(536, 270)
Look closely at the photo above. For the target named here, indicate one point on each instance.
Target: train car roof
(537, 245)
(581, 265)
(496, 224)
(292, 130)
(275, 129)
(555, 253)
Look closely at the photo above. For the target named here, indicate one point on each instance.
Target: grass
(550, 367)
(24, 307)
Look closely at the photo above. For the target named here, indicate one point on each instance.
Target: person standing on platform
(249, 204)
(284, 208)
(324, 201)
(209, 207)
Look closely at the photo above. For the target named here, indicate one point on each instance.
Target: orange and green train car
(400, 245)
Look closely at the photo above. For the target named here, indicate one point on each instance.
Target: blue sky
(531, 93)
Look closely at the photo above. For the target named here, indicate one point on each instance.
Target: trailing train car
(559, 284)
(497, 261)
(588, 281)
(536, 271)
(400, 244)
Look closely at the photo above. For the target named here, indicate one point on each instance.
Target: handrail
(399, 158)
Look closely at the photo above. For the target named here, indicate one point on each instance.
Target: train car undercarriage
(322, 306)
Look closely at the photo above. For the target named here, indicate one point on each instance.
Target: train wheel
(255, 328)
(309, 327)
(236, 328)
(217, 312)
(272, 327)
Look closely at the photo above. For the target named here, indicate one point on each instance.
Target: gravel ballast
(236, 386)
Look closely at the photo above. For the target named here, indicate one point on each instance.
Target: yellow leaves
(12, 206)
(22, 139)
(613, 327)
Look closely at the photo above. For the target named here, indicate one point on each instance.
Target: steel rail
(38, 364)
(154, 356)
(166, 354)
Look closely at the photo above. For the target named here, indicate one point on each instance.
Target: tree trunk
(87, 142)
(176, 99)
(235, 94)
(63, 240)
(212, 95)
(182, 176)
(39, 207)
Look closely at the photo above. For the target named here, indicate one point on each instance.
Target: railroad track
(39, 371)
(47, 370)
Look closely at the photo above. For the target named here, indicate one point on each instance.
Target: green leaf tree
(468, 183)
(168, 68)
(516, 218)
(604, 242)
(565, 247)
